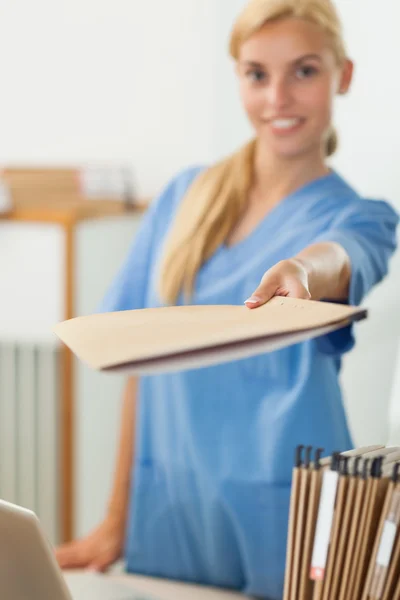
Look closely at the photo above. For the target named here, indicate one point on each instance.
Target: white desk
(159, 589)
(169, 590)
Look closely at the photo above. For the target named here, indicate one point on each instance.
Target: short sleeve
(366, 229)
(129, 288)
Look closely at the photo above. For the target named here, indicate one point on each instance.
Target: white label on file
(386, 544)
(324, 525)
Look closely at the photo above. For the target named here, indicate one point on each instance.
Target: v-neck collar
(273, 217)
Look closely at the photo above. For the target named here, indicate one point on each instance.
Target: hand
(286, 278)
(97, 551)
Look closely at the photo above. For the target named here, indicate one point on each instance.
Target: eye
(256, 75)
(306, 71)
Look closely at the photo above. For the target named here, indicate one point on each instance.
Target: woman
(203, 479)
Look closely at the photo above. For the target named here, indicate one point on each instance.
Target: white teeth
(285, 123)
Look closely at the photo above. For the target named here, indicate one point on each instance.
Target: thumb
(268, 289)
(265, 291)
(297, 289)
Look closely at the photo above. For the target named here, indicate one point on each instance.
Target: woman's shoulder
(178, 185)
(165, 204)
(347, 198)
(185, 177)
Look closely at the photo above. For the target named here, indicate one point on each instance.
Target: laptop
(28, 568)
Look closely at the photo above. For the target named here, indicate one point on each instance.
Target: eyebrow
(308, 57)
(252, 63)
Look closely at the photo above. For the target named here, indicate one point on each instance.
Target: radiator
(29, 426)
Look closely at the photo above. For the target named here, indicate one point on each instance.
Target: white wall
(108, 80)
(28, 311)
(149, 84)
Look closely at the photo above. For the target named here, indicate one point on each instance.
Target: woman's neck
(276, 177)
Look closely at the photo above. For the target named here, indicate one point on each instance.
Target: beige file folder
(181, 337)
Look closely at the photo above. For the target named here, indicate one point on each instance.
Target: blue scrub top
(214, 447)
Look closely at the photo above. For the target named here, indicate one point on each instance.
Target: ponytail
(209, 211)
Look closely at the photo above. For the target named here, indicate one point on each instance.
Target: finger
(63, 552)
(70, 556)
(265, 291)
(72, 562)
(101, 563)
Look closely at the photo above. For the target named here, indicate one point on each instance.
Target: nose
(278, 94)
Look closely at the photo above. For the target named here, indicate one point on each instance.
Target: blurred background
(102, 102)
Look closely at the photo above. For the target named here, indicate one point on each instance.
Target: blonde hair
(214, 202)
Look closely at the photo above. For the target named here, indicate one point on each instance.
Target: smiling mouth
(285, 124)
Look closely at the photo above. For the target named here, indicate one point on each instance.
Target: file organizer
(344, 523)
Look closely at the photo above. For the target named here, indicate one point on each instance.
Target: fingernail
(253, 300)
